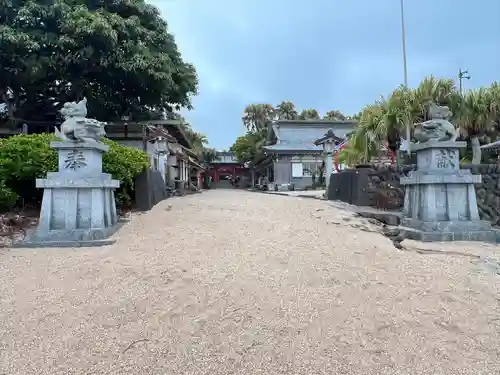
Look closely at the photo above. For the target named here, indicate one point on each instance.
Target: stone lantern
(328, 142)
(160, 138)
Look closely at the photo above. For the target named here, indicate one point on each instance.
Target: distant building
(226, 169)
(182, 166)
(293, 158)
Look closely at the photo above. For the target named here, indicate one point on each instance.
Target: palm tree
(198, 140)
(334, 115)
(370, 133)
(476, 116)
(208, 155)
(495, 94)
(286, 111)
(309, 114)
(257, 117)
(386, 120)
(441, 92)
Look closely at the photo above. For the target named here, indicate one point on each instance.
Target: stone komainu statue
(76, 126)
(438, 128)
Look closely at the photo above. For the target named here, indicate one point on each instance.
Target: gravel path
(232, 282)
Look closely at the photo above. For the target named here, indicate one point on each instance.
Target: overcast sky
(323, 54)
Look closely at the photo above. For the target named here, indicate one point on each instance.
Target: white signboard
(297, 170)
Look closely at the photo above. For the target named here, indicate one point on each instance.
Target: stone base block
(491, 235)
(447, 226)
(70, 238)
(283, 187)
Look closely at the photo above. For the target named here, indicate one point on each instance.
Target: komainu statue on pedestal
(438, 128)
(76, 126)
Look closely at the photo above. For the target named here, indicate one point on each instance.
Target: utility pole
(462, 74)
(403, 37)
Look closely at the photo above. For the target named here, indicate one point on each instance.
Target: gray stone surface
(440, 199)
(76, 125)
(488, 191)
(72, 238)
(386, 217)
(78, 206)
(438, 128)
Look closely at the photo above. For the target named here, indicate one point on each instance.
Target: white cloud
(213, 80)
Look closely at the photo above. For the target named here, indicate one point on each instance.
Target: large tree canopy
(117, 53)
(309, 114)
(258, 117)
(248, 147)
(334, 115)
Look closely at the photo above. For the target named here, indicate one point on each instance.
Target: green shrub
(24, 158)
(124, 164)
(7, 197)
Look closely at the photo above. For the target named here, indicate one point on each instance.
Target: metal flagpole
(403, 37)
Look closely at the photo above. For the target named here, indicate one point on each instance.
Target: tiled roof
(294, 147)
(300, 135)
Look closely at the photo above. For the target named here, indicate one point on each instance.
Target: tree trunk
(476, 150)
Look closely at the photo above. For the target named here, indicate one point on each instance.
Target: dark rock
(399, 238)
(389, 218)
(488, 191)
(391, 232)
(375, 222)
(333, 222)
(398, 245)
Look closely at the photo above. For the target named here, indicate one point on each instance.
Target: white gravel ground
(232, 282)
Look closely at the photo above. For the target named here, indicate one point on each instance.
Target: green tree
(119, 54)
(198, 140)
(208, 155)
(258, 117)
(386, 119)
(334, 115)
(309, 114)
(477, 115)
(24, 158)
(286, 111)
(248, 147)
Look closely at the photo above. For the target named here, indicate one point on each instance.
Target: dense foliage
(389, 121)
(124, 164)
(248, 147)
(309, 114)
(258, 119)
(24, 158)
(198, 141)
(475, 113)
(119, 54)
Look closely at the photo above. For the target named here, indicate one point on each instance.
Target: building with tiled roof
(294, 158)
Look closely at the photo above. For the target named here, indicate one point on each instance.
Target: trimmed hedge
(24, 158)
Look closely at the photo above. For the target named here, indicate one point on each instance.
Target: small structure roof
(161, 132)
(329, 135)
(299, 136)
(174, 127)
(133, 129)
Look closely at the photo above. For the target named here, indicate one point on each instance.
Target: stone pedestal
(78, 207)
(440, 199)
